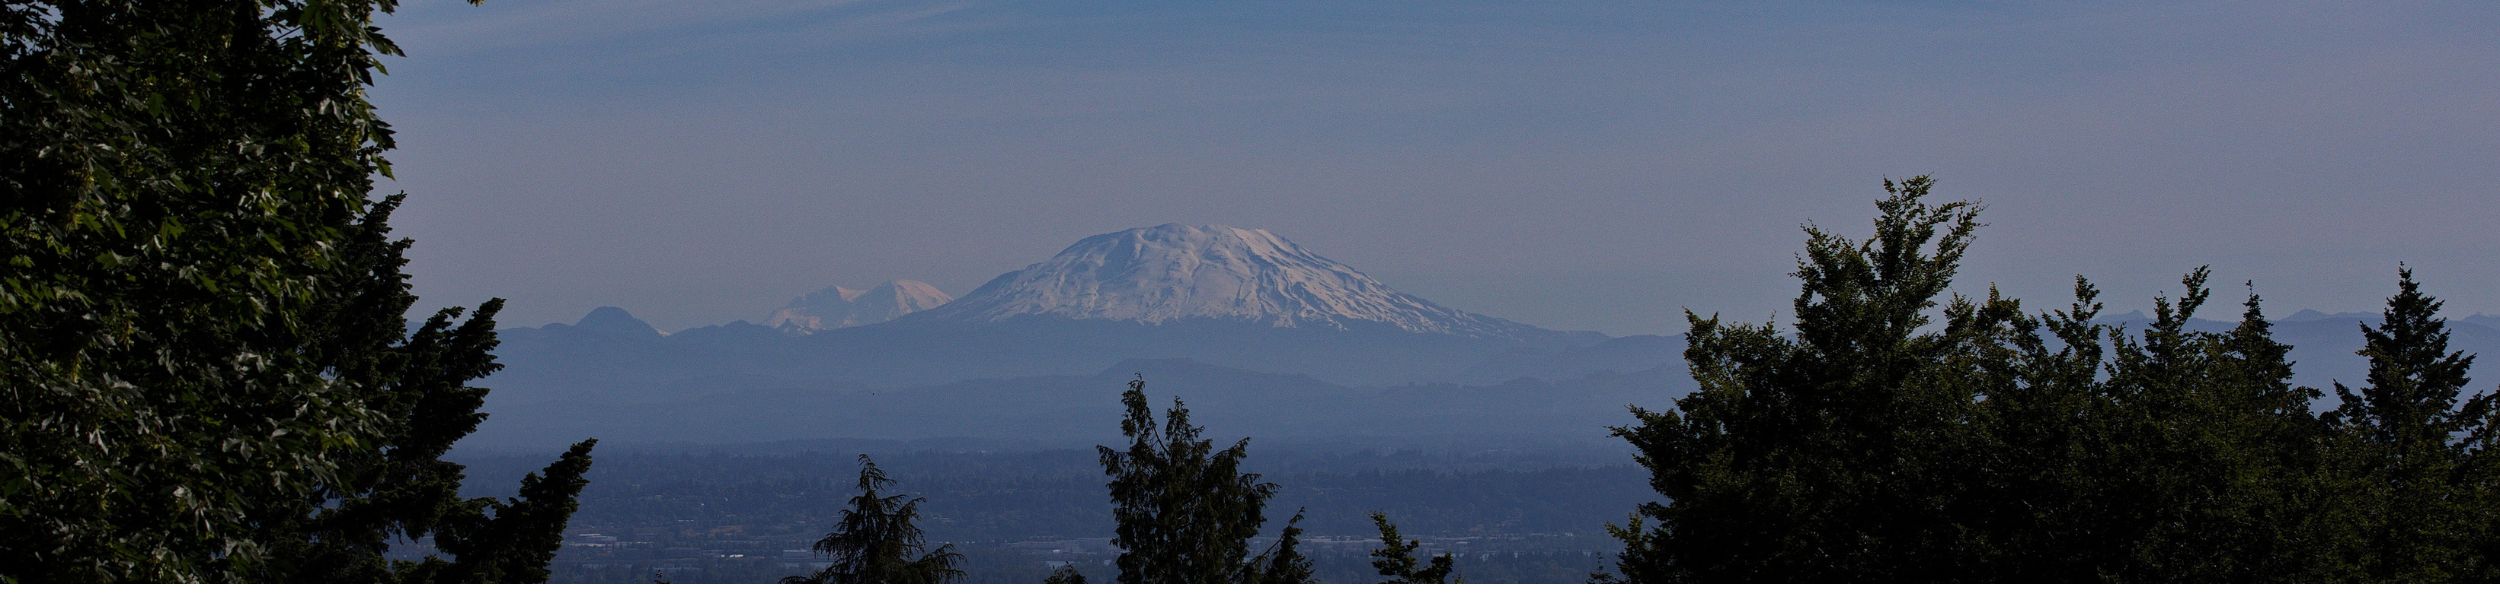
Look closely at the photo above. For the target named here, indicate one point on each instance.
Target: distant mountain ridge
(1285, 340)
(1035, 377)
(611, 322)
(1174, 272)
(1226, 298)
(838, 307)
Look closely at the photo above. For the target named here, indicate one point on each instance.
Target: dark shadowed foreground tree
(1065, 574)
(1396, 557)
(877, 542)
(1282, 561)
(1878, 444)
(1186, 512)
(209, 372)
(1829, 456)
(2413, 455)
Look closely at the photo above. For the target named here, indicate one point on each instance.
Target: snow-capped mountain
(838, 307)
(1175, 272)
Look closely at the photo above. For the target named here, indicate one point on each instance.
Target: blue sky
(1572, 165)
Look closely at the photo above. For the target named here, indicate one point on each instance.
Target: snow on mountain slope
(838, 307)
(1172, 272)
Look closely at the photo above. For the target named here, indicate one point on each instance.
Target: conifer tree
(1065, 574)
(1872, 445)
(2158, 418)
(2038, 446)
(2218, 411)
(2409, 448)
(877, 541)
(1185, 512)
(2272, 442)
(1283, 561)
(1396, 557)
(507, 541)
(1829, 457)
(202, 315)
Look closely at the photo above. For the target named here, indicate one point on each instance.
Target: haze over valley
(922, 291)
(1265, 337)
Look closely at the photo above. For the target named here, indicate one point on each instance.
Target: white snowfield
(1171, 272)
(838, 307)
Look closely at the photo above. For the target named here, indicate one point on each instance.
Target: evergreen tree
(1065, 574)
(1283, 561)
(1832, 456)
(515, 542)
(2270, 441)
(2158, 417)
(2410, 452)
(1396, 557)
(2481, 484)
(1998, 445)
(202, 314)
(877, 541)
(2039, 448)
(1992, 446)
(405, 490)
(1185, 512)
(2219, 413)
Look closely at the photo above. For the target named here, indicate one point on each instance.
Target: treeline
(1184, 512)
(1877, 442)
(206, 374)
(1060, 493)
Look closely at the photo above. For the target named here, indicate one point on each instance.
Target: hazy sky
(1577, 166)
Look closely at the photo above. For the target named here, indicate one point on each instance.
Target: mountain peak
(1175, 271)
(838, 307)
(615, 321)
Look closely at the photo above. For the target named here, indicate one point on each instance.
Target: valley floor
(711, 516)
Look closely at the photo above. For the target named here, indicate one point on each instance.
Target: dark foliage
(210, 375)
(1877, 443)
(1282, 562)
(878, 542)
(1396, 557)
(1065, 574)
(2416, 500)
(1185, 512)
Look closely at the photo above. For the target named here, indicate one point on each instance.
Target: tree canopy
(877, 540)
(211, 374)
(1396, 559)
(1186, 512)
(1901, 435)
